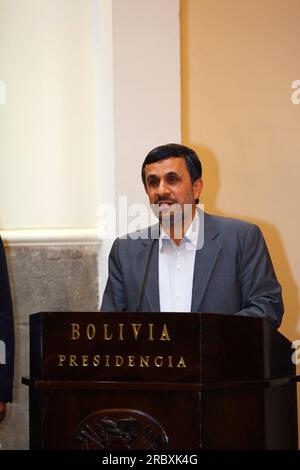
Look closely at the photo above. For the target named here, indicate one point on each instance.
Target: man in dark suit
(6, 337)
(196, 262)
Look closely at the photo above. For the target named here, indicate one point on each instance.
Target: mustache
(162, 199)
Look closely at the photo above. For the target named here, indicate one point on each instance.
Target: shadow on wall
(212, 184)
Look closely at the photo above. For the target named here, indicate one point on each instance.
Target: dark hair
(163, 152)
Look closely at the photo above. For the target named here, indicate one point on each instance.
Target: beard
(173, 216)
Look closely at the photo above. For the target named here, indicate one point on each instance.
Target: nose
(163, 188)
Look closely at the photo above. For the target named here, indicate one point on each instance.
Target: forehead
(162, 167)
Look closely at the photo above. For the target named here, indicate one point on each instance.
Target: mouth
(165, 206)
(166, 203)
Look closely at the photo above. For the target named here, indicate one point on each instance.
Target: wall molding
(72, 236)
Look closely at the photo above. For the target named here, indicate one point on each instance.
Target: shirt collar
(193, 230)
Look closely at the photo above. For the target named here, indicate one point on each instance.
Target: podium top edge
(230, 317)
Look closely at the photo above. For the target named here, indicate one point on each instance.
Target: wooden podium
(122, 381)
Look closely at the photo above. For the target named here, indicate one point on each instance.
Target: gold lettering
(72, 360)
(144, 361)
(150, 332)
(181, 362)
(131, 361)
(62, 359)
(121, 331)
(158, 361)
(85, 360)
(90, 331)
(96, 360)
(119, 361)
(165, 334)
(106, 337)
(136, 329)
(75, 331)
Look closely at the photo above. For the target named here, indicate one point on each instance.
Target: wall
(47, 146)
(147, 86)
(87, 87)
(91, 86)
(239, 60)
(84, 104)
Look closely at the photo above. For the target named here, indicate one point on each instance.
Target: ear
(197, 188)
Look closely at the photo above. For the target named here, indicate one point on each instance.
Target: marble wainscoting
(44, 277)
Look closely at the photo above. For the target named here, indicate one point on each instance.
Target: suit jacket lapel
(152, 287)
(205, 260)
(151, 297)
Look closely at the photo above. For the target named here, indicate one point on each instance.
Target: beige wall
(47, 144)
(239, 59)
(147, 86)
(82, 106)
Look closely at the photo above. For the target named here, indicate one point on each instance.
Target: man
(6, 337)
(200, 262)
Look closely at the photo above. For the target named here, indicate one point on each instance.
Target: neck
(177, 229)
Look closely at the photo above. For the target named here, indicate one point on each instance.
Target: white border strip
(89, 236)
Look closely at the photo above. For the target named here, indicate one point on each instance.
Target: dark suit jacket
(6, 331)
(233, 273)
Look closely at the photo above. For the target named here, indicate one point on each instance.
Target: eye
(172, 178)
(153, 181)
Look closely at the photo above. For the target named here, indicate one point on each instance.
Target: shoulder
(146, 233)
(135, 240)
(228, 222)
(229, 227)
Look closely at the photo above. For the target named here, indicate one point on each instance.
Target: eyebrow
(170, 173)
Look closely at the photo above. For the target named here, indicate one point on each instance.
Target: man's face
(168, 182)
